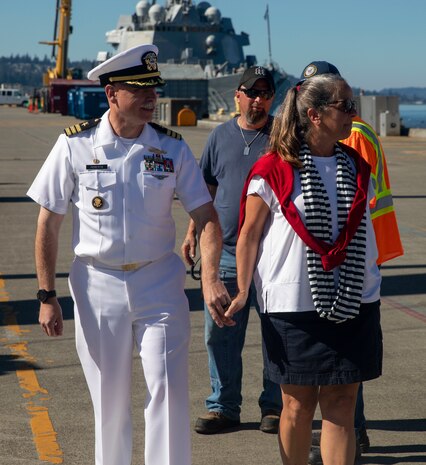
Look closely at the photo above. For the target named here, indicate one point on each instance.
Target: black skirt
(305, 349)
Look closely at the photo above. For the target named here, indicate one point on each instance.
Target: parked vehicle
(12, 96)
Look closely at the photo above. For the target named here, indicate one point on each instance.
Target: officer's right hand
(217, 299)
(189, 248)
(50, 317)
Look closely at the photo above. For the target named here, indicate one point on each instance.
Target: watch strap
(43, 295)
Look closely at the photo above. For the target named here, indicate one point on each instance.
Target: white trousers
(114, 311)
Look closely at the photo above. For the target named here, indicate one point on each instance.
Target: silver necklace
(247, 144)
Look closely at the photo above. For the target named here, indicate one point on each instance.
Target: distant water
(413, 116)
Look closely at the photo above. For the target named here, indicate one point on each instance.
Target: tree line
(27, 71)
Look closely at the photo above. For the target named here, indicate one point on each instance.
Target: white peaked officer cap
(136, 66)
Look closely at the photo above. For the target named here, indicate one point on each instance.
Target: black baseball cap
(252, 74)
(315, 68)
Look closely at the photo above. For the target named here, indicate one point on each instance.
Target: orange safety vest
(365, 141)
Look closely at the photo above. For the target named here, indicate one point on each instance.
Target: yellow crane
(60, 43)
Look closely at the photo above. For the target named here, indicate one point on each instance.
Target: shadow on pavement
(378, 455)
(410, 284)
(415, 424)
(379, 459)
(12, 363)
(15, 199)
(26, 311)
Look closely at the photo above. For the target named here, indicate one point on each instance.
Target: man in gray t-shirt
(225, 168)
(231, 150)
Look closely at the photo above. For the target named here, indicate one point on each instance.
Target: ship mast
(266, 16)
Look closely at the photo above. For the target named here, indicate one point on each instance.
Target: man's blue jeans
(224, 348)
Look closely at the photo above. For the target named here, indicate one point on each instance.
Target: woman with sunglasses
(306, 237)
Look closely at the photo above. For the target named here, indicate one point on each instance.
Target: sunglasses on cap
(254, 93)
(346, 105)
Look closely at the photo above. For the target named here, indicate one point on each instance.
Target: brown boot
(214, 422)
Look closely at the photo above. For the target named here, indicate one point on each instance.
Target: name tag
(96, 167)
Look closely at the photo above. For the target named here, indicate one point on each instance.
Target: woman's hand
(237, 304)
(217, 299)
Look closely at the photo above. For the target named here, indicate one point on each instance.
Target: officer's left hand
(217, 299)
(50, 317)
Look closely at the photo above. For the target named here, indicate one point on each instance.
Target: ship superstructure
(200, 54)
(185, 33)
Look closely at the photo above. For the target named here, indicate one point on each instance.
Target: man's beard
(255, 116)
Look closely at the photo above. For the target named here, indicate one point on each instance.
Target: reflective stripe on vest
(384, 202)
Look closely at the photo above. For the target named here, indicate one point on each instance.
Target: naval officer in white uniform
(120, 174)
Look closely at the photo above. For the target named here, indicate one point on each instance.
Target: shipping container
(90, 102)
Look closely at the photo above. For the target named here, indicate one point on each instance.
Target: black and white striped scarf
(342, 303)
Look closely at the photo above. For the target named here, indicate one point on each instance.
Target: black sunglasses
(346, 105)
(254, 93)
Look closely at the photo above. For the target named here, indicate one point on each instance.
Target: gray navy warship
(201, 56)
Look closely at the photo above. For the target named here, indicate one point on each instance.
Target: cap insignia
(150, 60)
(310, 71)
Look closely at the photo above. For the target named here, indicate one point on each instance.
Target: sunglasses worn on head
(254, 93)
(346, 105)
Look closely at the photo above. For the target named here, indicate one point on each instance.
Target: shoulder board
(166, 131)
(77, 128)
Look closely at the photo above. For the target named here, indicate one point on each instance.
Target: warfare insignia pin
(157, 151)
(97, 202)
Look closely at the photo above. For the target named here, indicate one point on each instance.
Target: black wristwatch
(43, 295)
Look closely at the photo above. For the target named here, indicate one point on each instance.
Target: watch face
(42, 295)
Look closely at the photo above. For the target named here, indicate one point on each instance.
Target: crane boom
(61, 42)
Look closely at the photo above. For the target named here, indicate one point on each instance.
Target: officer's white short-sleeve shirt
(121, 200)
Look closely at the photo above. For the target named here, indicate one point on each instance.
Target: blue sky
(374, 43)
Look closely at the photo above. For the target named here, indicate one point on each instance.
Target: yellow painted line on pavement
(44, 435)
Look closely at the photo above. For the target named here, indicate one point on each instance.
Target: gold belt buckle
(130, 266)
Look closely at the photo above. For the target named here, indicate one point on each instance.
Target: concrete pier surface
(45, 410)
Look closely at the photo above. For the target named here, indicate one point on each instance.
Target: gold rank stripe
(72, 130)
(167, 131)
